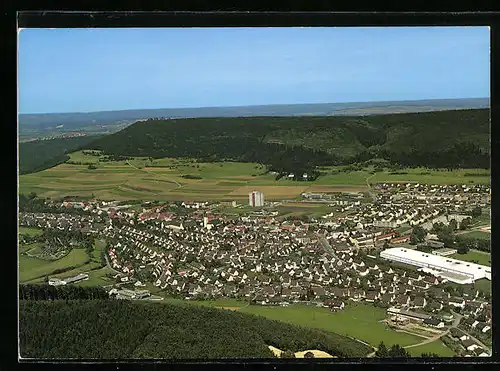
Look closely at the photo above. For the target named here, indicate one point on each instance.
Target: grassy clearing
(31, 268)
(97, 278)
(471, 256)
(30, 231)
(437, 347)
(483, 285)
(478, 234)
(356, 320)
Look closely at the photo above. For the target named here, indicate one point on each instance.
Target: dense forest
(110, 329)
(44, 154)
(452, 139)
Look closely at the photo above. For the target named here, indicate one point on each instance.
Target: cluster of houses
(461, 195)
(262, 259)
(472, 348)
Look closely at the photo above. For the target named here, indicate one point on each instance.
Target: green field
(30, 231)
(483, 285)
(478, 234)
(482, 258)
(437, 347)
(162, 179)
(357, 320)
(97, 278)
(31, 268)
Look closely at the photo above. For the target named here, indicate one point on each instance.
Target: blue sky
(84, 70)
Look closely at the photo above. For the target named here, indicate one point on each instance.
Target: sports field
(177, 179)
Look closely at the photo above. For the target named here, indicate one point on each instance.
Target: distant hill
(119, 329)
(111, 121)
(457, 138)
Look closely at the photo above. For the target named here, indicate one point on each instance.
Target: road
(326, 245)
(109, 265)
(455, 324)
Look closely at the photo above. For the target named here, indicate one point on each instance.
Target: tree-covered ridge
(111, 329)
(43, 154)
(425, 139)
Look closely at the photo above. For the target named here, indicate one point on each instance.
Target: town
(385, 248)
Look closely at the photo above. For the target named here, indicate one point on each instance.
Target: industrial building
(453, 270)
(256, 199)
(444, 252)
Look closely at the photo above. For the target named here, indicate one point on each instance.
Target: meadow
(478, 234)
(481, 257)
(164, 179)
(437, 347)
(30, 231)
(357, 320)
(32, 268)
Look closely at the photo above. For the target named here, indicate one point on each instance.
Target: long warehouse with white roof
(454, 270)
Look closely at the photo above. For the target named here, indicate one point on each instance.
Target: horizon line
(250, 105)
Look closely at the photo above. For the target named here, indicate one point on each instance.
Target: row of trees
(65, 292)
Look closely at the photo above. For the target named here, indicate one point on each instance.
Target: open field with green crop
(31, 268)
(437, 347)
(480, 257)
(164, 179)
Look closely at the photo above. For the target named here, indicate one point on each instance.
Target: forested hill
(43, 154)
(118, 329)
(431, 139)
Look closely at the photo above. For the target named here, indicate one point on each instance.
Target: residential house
(434, 322)
(470, 345)
(403, 300)
(371, 296)
(419, 302)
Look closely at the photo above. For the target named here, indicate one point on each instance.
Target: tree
(453, 225)
(397, 351)
(429, 355)
(309, 355)
(419, 233)
(382, 351)
(464, 224)
(446, 237)
(476, 212)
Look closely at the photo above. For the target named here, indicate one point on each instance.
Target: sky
(86, 70)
